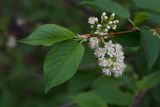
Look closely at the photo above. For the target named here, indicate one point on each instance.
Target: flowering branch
(112, 34)
(110, 55)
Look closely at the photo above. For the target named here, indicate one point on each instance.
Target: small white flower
(104, 14)
(105, 17)
(113, 15)
(106, 71)
(120, 59)
(93, 42)
(118, 47)
(92, 20)
(114, 22)
(92, 26)
(99, 26)
(100, 53)
(121, 53)
(111, 51)
(108, 27)
(110, 22)
(114, 27)
(96, 19)
(108, 45)
(103, 62)
(106, 30)
(117, 21)
(117, 66)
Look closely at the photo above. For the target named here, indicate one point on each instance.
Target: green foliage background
(21, 67)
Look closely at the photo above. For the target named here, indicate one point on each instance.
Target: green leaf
(153, 5)
(154, 19)
(47, 35)
(149, 81)
(74, 85)
(151, 45)
(89, 99)
(102, 81)
(141, 17)
(112, 95)
(61, 63)
(110, 6)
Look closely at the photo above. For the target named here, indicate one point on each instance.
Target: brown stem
(123, 32)
(112, 34)
(156, 29)
(139, 98)
(132, 30)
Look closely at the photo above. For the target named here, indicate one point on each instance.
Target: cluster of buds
(101, 27)
(110, 55)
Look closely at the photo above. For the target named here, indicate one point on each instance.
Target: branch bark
(139, 98)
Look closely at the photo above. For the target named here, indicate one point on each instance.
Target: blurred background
(21, 66)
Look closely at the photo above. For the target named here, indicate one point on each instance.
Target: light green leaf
(47, 35)
(89, 99)
(110, 6)
(112, 95)
(61, 63)
(149, 81)
(151, 45)
(141, 17)
(153, 5)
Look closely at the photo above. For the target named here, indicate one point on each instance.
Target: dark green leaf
(141, 17)
(149, 81)
(48, 34)
(128, 40)
(153, 5)
(151, 45)
(102, 81)
(154, 19)
(86, 78)
(61, 63)
(113, 95)
(110, 6)
(89, 99)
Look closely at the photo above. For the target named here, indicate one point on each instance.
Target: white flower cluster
(110, 56)
(101, 27)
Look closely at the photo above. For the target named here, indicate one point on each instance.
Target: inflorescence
(110, 55)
